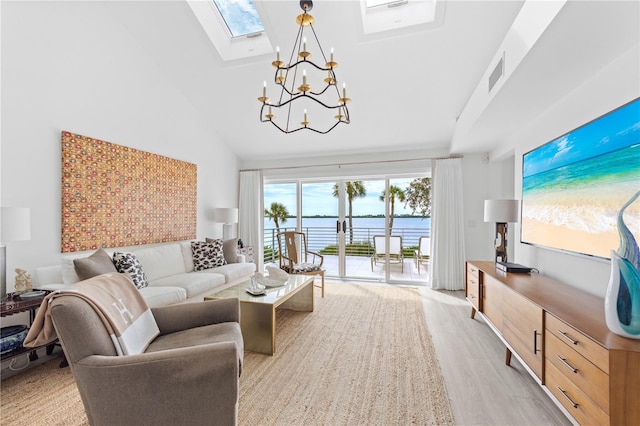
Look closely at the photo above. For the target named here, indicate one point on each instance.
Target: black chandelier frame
(289, 95)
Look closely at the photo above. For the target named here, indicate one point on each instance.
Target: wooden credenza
(559, 334)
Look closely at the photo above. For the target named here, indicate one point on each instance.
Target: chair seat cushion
(305, 267)
(213, 333)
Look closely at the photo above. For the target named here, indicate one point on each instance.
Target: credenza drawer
(586, 347)
(579, 405)
(472, 271)
(582, 373)
(473, 287)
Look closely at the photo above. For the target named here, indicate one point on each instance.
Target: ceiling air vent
(497, 72)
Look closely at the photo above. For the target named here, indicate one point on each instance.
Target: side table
(13, 304)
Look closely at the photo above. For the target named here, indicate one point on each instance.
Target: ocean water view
(575, 207)
(321, 231)
(585, 196)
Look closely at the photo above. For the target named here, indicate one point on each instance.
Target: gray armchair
(189, 374)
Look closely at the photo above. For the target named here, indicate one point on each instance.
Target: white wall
(72, 66)
(481, 180)
(615, 85)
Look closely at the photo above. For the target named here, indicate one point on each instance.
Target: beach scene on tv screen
(574, 186)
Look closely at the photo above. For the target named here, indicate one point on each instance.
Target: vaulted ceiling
(408, 86)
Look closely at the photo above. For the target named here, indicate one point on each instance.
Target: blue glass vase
(622, 300)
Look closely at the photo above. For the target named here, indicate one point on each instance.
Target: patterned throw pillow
(128, 263)
(207, 255)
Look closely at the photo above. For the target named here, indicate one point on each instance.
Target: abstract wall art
(116, 196)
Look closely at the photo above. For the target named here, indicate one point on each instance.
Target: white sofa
(169, 270)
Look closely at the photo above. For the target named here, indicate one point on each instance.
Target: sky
(617, 129)
(241, 16)
(317, 198)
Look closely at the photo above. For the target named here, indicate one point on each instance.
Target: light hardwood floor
(482, 389)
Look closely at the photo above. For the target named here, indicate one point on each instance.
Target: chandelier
(302, 97)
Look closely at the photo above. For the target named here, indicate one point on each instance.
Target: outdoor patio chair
(295, 257)
(396, 255)
(423, 253)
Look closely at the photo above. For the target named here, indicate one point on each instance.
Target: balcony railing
(359, 242)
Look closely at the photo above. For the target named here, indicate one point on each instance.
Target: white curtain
(447, 226)
(251, 213)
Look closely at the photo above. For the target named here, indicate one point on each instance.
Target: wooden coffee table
(258, 313)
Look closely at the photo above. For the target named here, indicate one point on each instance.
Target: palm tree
(395, 193)
(277, 212)
(354, 190)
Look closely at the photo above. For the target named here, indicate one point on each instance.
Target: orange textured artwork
(115, 196)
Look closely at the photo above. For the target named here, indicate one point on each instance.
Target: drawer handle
(566, 336)
(575, 405)
(535, 342)
(566, 364)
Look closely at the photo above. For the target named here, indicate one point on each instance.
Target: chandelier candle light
(313, 101)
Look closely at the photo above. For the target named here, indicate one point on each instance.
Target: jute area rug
(363, 357)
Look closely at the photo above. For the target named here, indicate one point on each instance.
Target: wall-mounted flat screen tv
(574, 186)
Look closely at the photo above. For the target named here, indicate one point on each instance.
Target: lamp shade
(15, 224)
(501, 211)
(227, 215)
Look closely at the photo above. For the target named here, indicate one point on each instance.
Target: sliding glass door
(365, 229)
(322, 224)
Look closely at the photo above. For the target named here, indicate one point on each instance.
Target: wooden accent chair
(296, 258)
(423, 253)
(396, 255)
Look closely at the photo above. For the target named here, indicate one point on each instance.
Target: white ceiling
(407, 86)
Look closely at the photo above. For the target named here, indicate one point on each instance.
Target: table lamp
(15, 225)
(227, 216)
(501, 212)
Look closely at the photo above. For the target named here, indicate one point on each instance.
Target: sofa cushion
(69, 274)
(233, 271)
(229, 248)
(163, 296)
(193, 284)
(128, 263)
(187, 255)
(161, 261)
(207, 255)
(97, 264)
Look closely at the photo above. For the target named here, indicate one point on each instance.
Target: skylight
(240, 16)
(376, 3)
(385, 15)
(234, 27)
